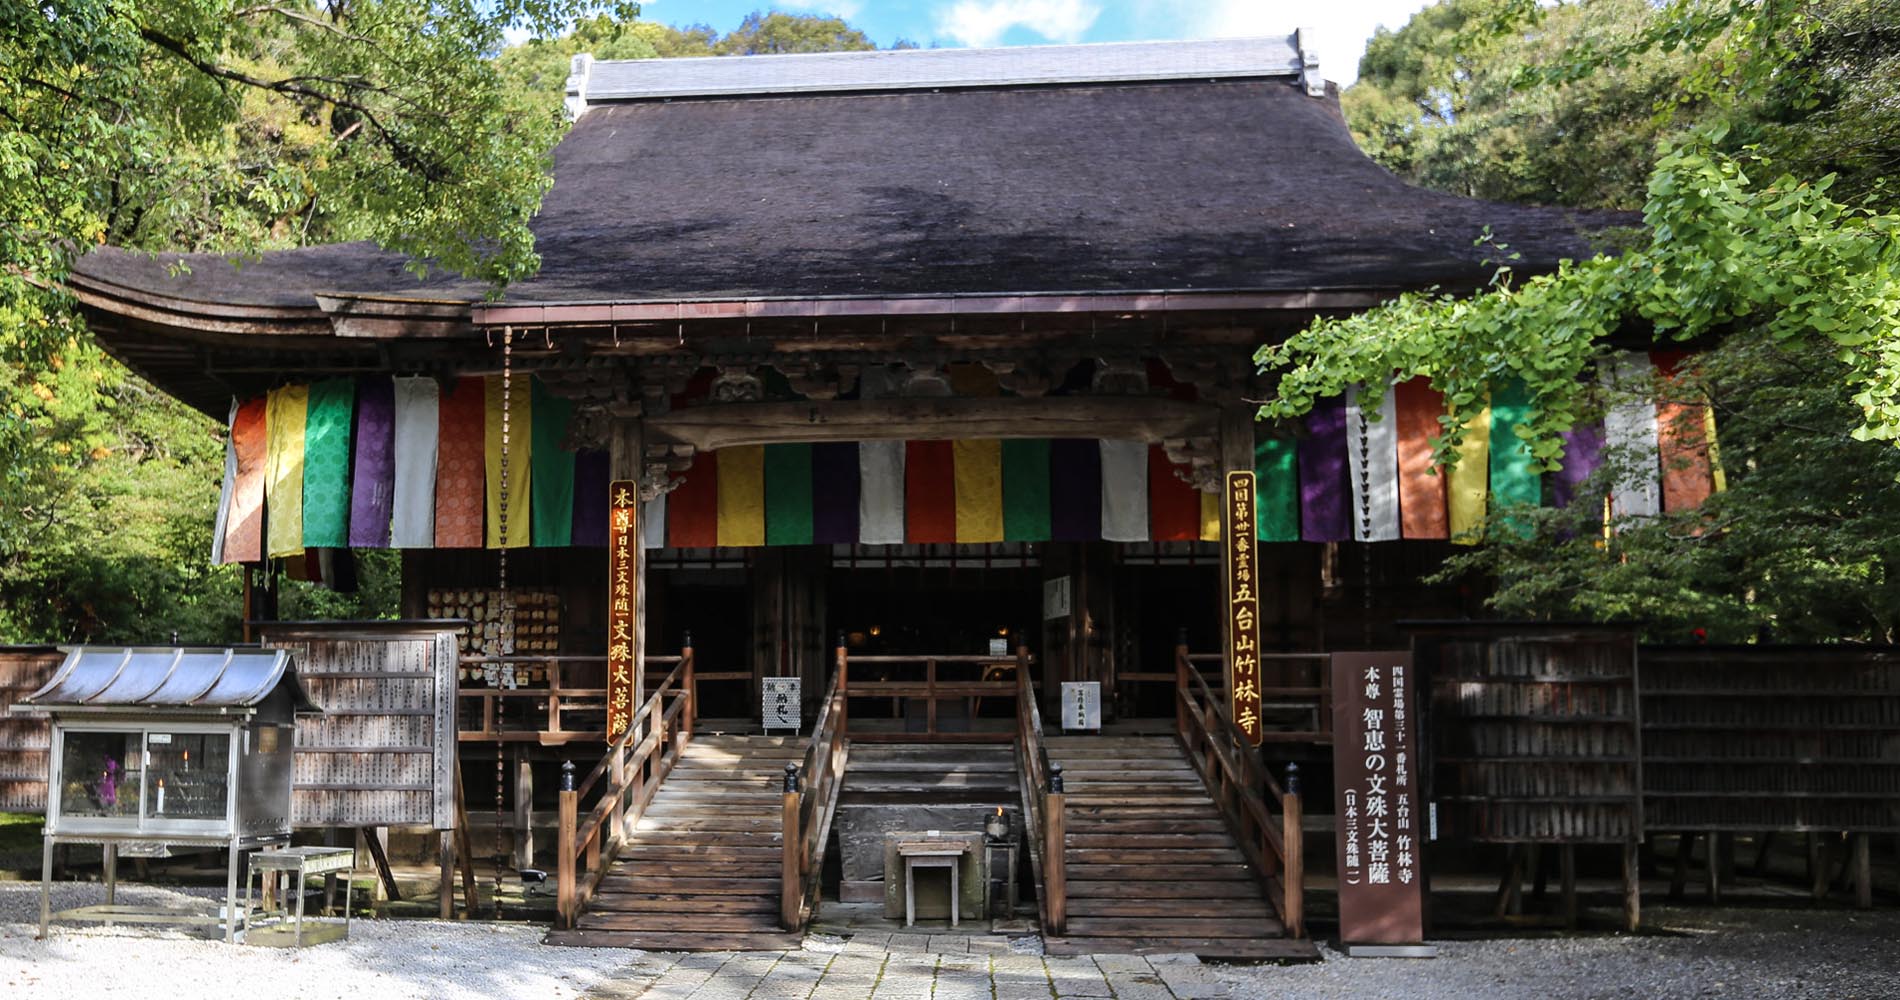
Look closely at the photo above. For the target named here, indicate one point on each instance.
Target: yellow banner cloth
(520, 459)
(741, 495)
(284, 413)
(979, 477)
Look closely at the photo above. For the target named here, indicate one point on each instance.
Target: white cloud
(1340, 27)
(980, 23)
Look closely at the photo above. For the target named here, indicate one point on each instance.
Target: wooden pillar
(791, 854)
(524, 808)
(445, 871)
(1863, 872)
(1632, 887)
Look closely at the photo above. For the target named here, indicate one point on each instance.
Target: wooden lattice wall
(1535, 732)
(383, 751)
(24, 739)
(1756, 738)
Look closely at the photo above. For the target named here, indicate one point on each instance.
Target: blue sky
(1342, 26)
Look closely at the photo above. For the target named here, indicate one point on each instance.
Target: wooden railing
(932, 688)
(1296, 692)
(531, 712)
(808, 810)
(1242, 788)
(1044, 811)
(633, 768)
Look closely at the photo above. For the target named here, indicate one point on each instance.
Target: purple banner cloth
(590, 499)
(1583, 452)
(834, 493)
(1075, 490)
(1324, 487)
(373, 489)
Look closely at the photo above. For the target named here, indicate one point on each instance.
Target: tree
(1768, 232)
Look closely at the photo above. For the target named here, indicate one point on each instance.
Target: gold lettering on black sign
(623, 502)
(1243, 606)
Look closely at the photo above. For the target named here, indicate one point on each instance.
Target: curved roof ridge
(610, 81)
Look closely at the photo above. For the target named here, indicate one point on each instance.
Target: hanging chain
(507, 603)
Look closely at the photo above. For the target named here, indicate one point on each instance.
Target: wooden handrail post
(564, 897)
(1055, 876)
(1293, 869)
(791, 872)
(1181, 692)
(617, 787)
(689, 687)
(844, 684)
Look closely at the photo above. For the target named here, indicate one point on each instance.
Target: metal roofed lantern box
(154, 748)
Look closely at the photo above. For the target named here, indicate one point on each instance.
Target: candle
(161, 795)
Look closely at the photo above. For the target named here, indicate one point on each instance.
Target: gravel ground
(1774, 954)
(383, 960)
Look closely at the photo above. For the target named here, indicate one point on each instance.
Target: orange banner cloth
(1682, 438)
(1422, 508)
(461, 469)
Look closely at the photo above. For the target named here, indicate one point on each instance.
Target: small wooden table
(300, 863)
(931, 854)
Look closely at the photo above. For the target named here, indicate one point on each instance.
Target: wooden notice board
(623, 504)
(1243, 606)
(1381, 832)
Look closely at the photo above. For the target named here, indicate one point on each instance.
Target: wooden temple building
(925, 370)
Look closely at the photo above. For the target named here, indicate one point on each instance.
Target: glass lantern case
(155, 748)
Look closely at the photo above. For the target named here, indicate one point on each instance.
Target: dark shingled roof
(1211, 185)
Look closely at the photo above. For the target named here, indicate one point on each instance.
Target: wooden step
(1152, 865)
(701, 871)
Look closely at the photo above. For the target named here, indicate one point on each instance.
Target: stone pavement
(909, 967)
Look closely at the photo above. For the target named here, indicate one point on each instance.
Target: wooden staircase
(702, 871)
(1152, 866)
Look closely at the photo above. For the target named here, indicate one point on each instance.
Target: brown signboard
(623, 503)
(1381, 829)
(1243, 606)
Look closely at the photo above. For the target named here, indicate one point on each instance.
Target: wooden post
(1181, 682)
(1055, 876)
(564, 878)
(1293, 837)
(1632, 887)
(1818, 864)
(445, 889)
(1685, 853)
(689, 688)
(616, 790)
(844, 684)
(524, 809)
(1567, 872)
(1863, 872)
(791, 855)
(464, 851)
(1712, 869)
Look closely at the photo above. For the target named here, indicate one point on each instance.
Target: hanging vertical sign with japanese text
(1243, 607)
(1381, 831)
(623, 502)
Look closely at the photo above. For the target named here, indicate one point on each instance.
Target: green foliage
(1800, 547)
(1757, 136)
(1719, 252)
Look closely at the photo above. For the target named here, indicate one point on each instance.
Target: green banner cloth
(326, 464)
(1026, 490)
(1276, 490)
(551, 476)
(788, 507)
(1516, 480)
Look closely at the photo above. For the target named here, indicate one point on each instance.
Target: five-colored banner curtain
(377, 462)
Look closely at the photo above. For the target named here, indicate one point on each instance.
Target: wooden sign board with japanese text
(623, 580)
(1240, 562)
(1381, 830)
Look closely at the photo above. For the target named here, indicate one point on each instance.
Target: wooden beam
(709, 428)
